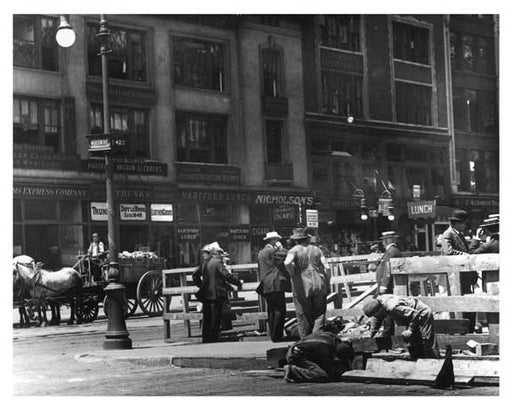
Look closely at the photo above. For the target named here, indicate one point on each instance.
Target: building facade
(238, 125)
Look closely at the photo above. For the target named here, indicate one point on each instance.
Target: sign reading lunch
(422, 209)
(162, 212)
(132, 212)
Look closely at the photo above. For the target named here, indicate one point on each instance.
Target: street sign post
(113, 143)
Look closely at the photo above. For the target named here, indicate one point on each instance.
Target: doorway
(42, 244)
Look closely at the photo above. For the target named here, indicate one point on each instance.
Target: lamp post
(117, 334)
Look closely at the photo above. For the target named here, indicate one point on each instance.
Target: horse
(20, 294)
(47, 286)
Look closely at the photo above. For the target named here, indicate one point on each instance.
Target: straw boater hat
(212, 247)
(300, 233)
(272, 235)
(389, 234)
(492, 223)
(459, 215)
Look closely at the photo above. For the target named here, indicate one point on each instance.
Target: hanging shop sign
(99, 211)
(188, 234)
(239, 234)
(421, 209)
(467, 202)
(132, 212)
(162, 212)
(311, 218)
(208, 173)
(416, 191)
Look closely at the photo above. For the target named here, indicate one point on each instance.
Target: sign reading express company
(132, 212)
(49, 191)
(422, 209)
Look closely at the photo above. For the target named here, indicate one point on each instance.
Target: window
(36, 122)
(475, 110)
(131, 121)
(478, 171)
(342, 93)
(411, 43)
(127, 60)
(274, 134)
(340, 32)
(271, 59)
(201, 138)
(199, 64)
(34, 42)
(413, 103)
(472, 53)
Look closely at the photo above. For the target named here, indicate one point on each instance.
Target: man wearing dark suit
(487, 239)
(454, 243)
(212, 278)
(274, 283)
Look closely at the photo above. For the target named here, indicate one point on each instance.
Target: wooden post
(346, 285)
(184, 299)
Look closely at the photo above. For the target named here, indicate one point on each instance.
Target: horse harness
(36, 280)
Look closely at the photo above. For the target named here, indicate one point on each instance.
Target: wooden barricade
(449, 270)
(344, 285)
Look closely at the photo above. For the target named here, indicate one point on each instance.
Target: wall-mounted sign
(283, 199)
(473, 201)
(239, 234)
(128, 166)
(284, 214)
(188, 234)
(215, 196)
(422, 209)
(311, 218)
(49, 191)
(162, 212)
(132, 212)
(32, 157)
(99, 211)
(208, 173)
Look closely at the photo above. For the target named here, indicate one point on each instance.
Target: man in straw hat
(212, 278)
(274, 282)
(310, 278)
(406, 311)
(487, 238)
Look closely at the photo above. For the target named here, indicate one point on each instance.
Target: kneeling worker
(318, 357)
(405, 311)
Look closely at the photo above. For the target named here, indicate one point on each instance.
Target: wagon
(142, 277)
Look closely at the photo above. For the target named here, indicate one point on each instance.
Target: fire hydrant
(117, 335)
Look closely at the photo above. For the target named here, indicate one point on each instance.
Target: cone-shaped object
(445, 378)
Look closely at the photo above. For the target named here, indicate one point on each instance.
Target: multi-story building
(213, 108)
(379, 125)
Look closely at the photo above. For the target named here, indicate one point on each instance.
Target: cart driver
(97, 254)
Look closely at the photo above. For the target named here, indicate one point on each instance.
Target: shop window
(16, 210)
(416, 154)
(34, 42)
(417, 176)
(260, 215)
(71, 243)
(215, 213)
(187, 213)
(340, 32)
(274, 141)
(395, 184)
(127, 59)
(40, 209)
(345, 177)
(411, 43)
(199, 64)
(320, 174)
(36, 122)
(201, 138)
(17, 240)
(370, 151)
(342, 93)
(130, 121)
(272, 72)
(70, 211)
(218, 234)
(394, 152)
(413, 103)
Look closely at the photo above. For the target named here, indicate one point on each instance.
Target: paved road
(44, 364)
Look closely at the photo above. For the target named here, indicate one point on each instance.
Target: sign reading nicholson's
(283, 199)
(422, 209)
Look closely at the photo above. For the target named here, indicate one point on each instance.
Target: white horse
(44, 285)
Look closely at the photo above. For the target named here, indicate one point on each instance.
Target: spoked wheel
(149, 293)
(89, 308)
(132, 307)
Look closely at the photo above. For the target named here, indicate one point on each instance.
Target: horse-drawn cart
(142, 277)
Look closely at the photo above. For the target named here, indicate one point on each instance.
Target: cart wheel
(89, 309)
(132, 307)
(149, 293)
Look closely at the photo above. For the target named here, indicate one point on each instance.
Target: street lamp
(117, 335)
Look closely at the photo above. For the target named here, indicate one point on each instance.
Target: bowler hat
(459, 215)
(371, 307)
(300, 233)
(389, 234)
(272, 235)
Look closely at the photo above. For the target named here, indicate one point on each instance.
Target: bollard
(117, 335)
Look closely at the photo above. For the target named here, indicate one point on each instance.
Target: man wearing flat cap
(274, 282)
(310, 282)
(405, 311)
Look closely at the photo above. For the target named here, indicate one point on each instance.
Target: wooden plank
(341, 270)
(459, 341)
(371, 290)
(439, 264)
(392, 377)
(357, 277)
(452, 326)
(466, 303)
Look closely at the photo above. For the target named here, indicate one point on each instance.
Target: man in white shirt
(97, 253)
